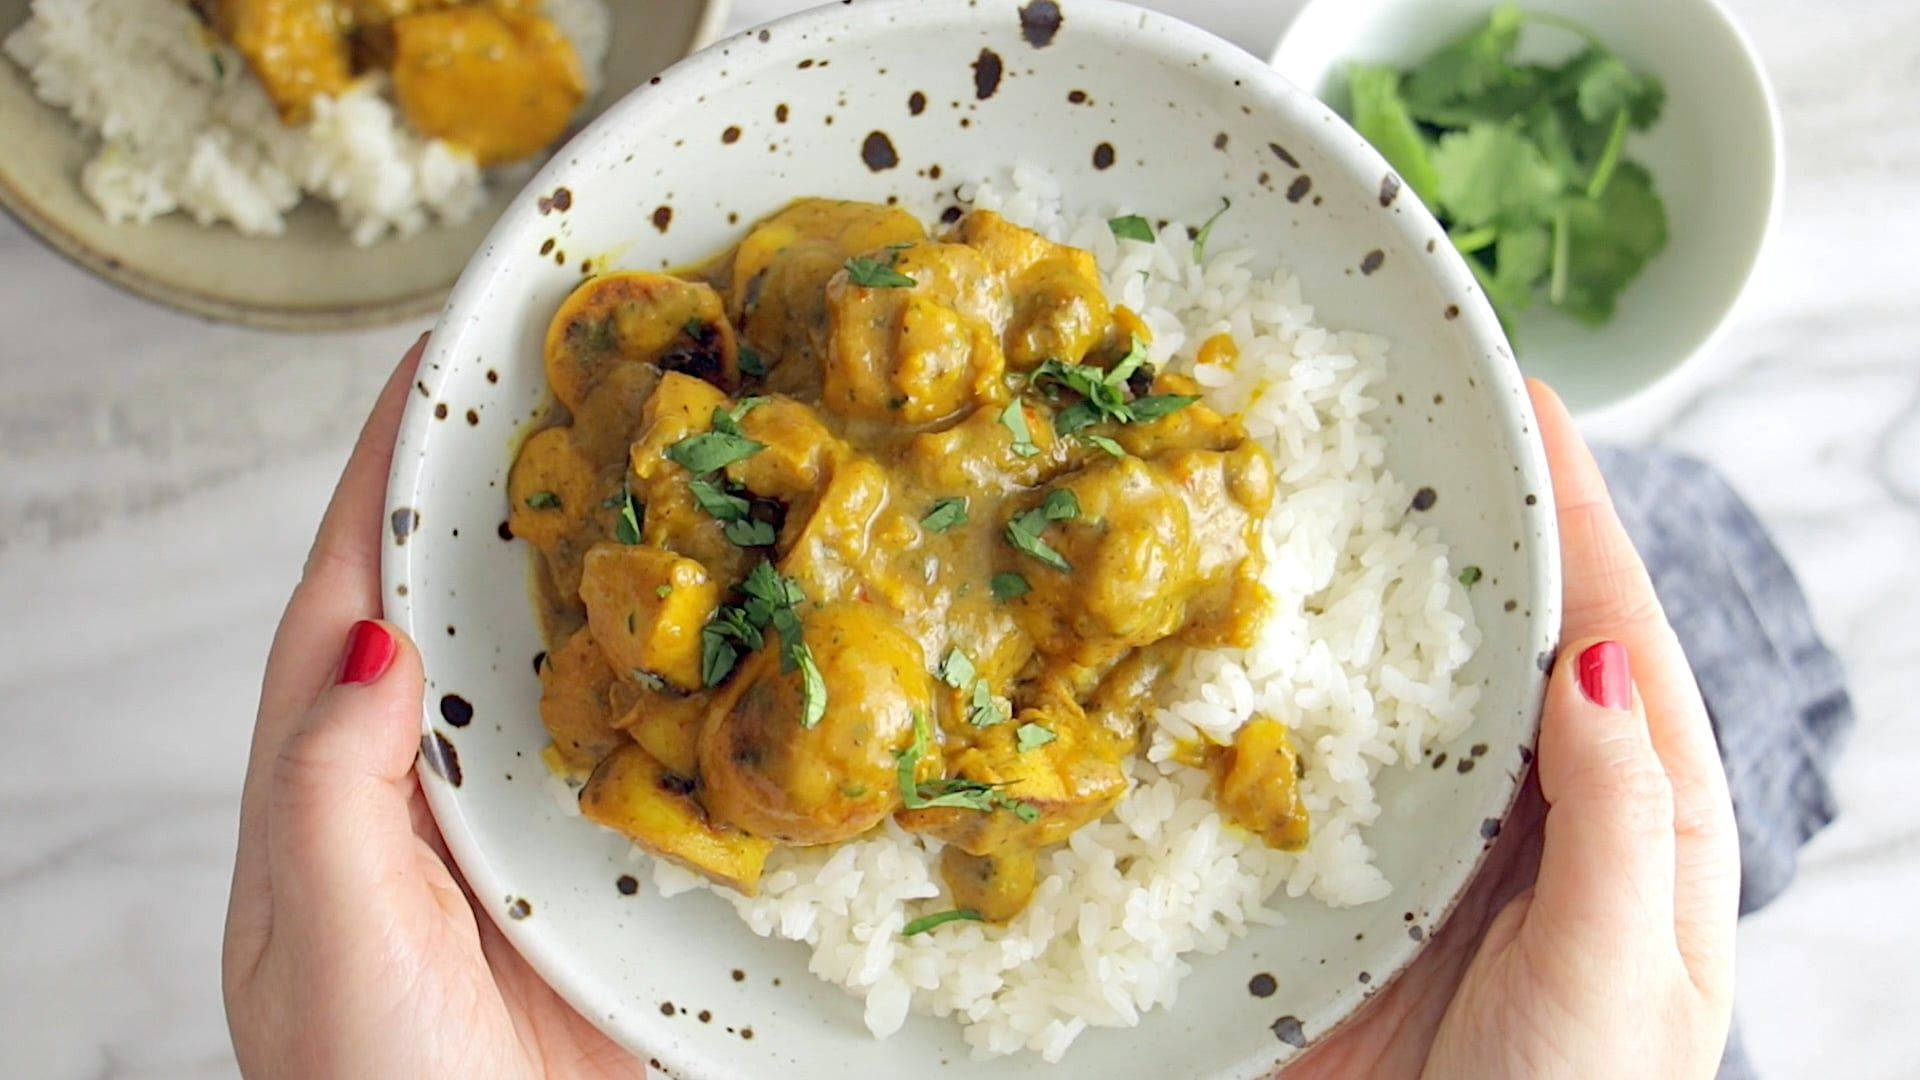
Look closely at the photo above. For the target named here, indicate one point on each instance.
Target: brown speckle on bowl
(1288, 1030)
(1281, 153)
(560, 258)
(456, 710)
(441, 757)
(1453, 310)
(731, 135)
(440, 410)
(1220, 141)
(916, 103)
(493, 376)
(1299, 188)
(1490, 828)
(561, 200)
(739, 976)
(1532, 499)
(877, 151)
(706, 1016)
(547, 248)
(1366, 977)
(505, 531)
(1389, 189)
(1424, 499)
(662, 217)
(1440, 759)
(1371, 261)
(405, 521)
(1039, 22)
(1261, 985)
(666, 1008)
(950, 215)
(1103, 156)
(518, 908)
(1478, 749)
(1429, 246)
(1078, 97)
(986, 74)
(780, 113)
(1463, 766)
(1509, 605)
(539, 659)
(1416, 933)
(422, 387)
(1526, 755)
(746, 1033)
(473, 418)
(804, 64)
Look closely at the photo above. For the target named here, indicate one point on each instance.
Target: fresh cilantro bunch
(1525, 163)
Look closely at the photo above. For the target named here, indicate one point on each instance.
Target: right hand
(1598, 942)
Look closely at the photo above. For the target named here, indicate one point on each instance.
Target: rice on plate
(184, 126)
(1360, 657)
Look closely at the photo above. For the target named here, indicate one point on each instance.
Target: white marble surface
(163, 478)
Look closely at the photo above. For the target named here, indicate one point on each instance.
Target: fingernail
(369, 652)
(1605, 678)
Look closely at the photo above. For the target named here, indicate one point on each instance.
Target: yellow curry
(855, 522)
(490, 76)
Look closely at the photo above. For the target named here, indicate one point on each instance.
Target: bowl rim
(1152, 31)
(53, 234)
(1750, 253)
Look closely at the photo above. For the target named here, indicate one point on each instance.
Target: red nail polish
(1605, 678)
(369, 652)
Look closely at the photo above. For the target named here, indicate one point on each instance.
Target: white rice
(184, 126)
(1360, 658)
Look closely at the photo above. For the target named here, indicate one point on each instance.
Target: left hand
(352, 947)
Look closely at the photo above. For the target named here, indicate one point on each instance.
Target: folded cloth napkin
(1776, 694)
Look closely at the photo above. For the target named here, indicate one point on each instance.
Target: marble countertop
(165, 476)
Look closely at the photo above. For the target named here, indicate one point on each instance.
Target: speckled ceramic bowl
(313, 277)
(887, 99)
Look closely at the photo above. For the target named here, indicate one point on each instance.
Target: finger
(1608, 594)
(339, 820)
(1606, 879)
(340, 585)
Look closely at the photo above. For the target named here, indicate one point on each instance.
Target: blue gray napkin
(1776, 694)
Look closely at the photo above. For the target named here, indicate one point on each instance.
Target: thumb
(1607, 864)
(339, 818)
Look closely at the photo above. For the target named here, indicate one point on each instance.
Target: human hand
(1598, 940)
(352, 948)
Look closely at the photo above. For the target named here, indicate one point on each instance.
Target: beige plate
(312, 278)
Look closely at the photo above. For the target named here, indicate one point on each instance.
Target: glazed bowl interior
(887, 101)
(312, 277)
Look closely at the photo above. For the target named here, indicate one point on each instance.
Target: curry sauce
(856, 523)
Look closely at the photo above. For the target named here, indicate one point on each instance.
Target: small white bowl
(1716, 157)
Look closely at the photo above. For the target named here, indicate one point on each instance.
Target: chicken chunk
(574, 701)
(519, 64)
(646, 607)
(660, 812)
(1060, 309)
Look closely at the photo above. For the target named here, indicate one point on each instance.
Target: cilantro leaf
(1610, 240)
(957, 670)
(940, 918)
(627, 528)
(1470, 65)
(1602, 85)
(1155, 406)
(813, 687)
(982, 710)
(1014, 418)
(751, 362)
(543, 500)
(1206, 229)
(1469, 576)
(1023, 532)
(1491, 173)
(712, 451)
(1521, 258)
(716, 501)
(1380, 116)
(1032, 737)
(750, 533)
(1131, 227)
(1102, 443)
(946, 514)
(1009, 586)
(874, 274)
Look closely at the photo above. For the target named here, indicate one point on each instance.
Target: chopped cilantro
(749, 533)
(982, 710)
(627, 529)
(717, 501)
(940, 918)
(957, 670)
(1131, 227)
(663, 591)
(1101, 442)
(1009, 586)
(949, 791)
(770, 602)
(751, 362)
(712, 451)
(1104, 394)
(1469, 576)
(1206, 229)
(946, 514)
(874, 274)
(1014, 418)
(1032, 737)
(543, 500)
